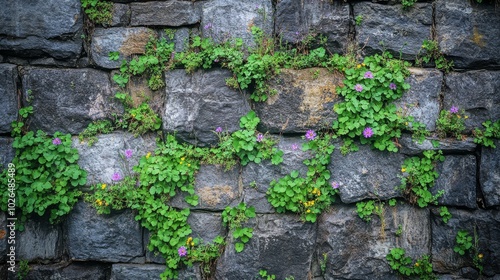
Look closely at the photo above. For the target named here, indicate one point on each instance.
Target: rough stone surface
(196, 104)
(476, 92)
(121, 15)
(457, 177)
(39, 28)
(399, 31)
(422, 100)
(366, 174)
(411, 146)
(216, 23)
(216, 189)
(136, 271)
(105, 157)
(7, 152)
(67, 100)
(8, 96)
(490, 175)
(73, 271)
(302, 102)
(465, 35)
(487, 225)
(40, 241)
(109, 238)
(281, 244)
(181, 38)
(357, 250)
(297, 19)
(125, 40)
(169, 13)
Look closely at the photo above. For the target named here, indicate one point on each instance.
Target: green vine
(421, 268)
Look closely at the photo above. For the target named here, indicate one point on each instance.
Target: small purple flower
(358, 87)
(116, 177)
(260, 137)
(335, 185)
(368, 75)
(393, 86)
(128, 153)
(297, 33)
(207, 26)
(172, 55)
(216, 60)
(454, 109)
(295, 147)
(218, 129)
(367, 132)
(182, 251)
(56, 141)
(310, 135)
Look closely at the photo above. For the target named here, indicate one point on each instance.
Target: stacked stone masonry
(50, 56)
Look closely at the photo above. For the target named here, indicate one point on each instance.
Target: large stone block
(40, 241)
(476, 92)
(136, 271)
(169, 13)
(67, 100)
(356, 249)
(222, 20)
(297, 19)
(126, 41)
(393, 29)
(487, 226)
(109, 238)
(422, 100)
(465, 35)
(8, 96)
(457, 178)
(410, 146)
(7, 152)
(196, 104)
(120, 15)
(39, 27)
(281, 244)
(73, 271)
(106, 156)
(303, 101)
(366, 174)
(490, 175)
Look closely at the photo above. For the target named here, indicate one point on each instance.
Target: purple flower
(56, 141)
(368, 75)
(208, 26)
(295, 147)
(454, 109)
(392, 86)
(116, 177)
(218, 129)
(260, 137)
(216, 60)
(310, 135)
(182, 251)
(128, 153)
(367, 132)
(297, 33)
(335, 185)
(358, 87)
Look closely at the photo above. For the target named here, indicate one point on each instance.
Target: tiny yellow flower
(403, 169)
(192, 243)
(466, 117)
(189, 164)
(417, 264)
(406, 123)
(363, 64)
(458, 116)
(480, 256)
(148, 154)
(180, 162)
(308, 211)
(103, 186)
(183, 158)
(358, 66)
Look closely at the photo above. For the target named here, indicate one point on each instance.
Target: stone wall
(48, 53)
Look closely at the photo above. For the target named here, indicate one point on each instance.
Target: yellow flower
(403, 169)
(180, 162)
(99, 202)
(458, 116)
(189, 164)
(189, 240)
(417, 264)
(363, 64)
(466, 117)
(358, 66)
(480, 256)
(103, 186)
(308, 211)
(183, 158)
(148, 155)
(406, 123)
(192, 243)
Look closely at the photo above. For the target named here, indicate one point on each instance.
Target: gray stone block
(4, 231)
(302, 102)
(169, 13)
(465, 35)
(136, 271)
(196, 104)
(296, 19)
(40, 241)
(410, 146)
(120, 15)
(489, 176)
(67, 100)
(109, 238)
(281, 244)
(357, 250)
(125, 40)
(73, 271)
(7, 152)
(8, 96)
(390, 28)
(39, 28)
(476, 92)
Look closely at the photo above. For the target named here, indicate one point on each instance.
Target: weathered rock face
(170, 13)
(296, 19)
(304, 100)
(196, 104)
(126, 41)
(111, 238)
(121, 15)
(490, 175)
(476, 92)
(39, 28)
(464, 33)
(410, 146)
(40, 241)
(281, 244)
(356, 249)
(67, 100)
(74, 271)
(7, 153)
(8, 96)
(223, 20)
(136, 272)
(399, 31)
